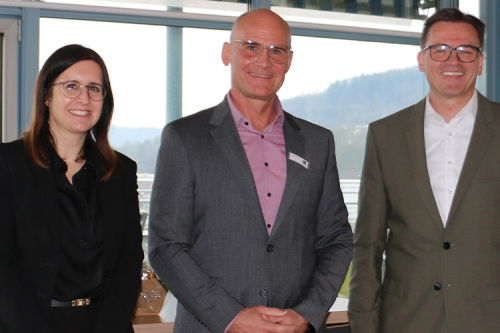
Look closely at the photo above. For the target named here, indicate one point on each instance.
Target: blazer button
(263, 293)
(437, 286)
(446, 245)
(270, 248)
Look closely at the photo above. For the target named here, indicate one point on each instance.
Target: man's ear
(289, 61)
(226, 54)
(420, 59)
(480, 64)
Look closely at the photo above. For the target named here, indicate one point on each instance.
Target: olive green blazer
(435, 277)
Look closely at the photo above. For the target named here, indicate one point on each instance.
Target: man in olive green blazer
(430, 199)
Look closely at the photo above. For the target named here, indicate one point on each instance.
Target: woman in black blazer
(70, 236)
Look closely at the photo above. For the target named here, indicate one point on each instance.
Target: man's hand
(293, 321)
(268, 320)
(251, 320)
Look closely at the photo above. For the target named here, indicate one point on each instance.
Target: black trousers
(73, 319)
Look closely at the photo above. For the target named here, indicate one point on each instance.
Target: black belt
(74, 302)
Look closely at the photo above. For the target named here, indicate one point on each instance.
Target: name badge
(299, 160)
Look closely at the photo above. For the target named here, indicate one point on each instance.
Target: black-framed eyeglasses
(251, 50)
(73, 89)
(442, 52)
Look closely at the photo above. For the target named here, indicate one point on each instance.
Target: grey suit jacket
(208, 240)
(435, 276)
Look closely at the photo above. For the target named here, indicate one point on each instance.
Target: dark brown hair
(39, 136)
(456, 16)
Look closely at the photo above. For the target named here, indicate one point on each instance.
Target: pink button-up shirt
(266, 153)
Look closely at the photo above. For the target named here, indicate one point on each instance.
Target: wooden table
(151, 324)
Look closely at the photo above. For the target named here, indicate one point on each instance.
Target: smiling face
(74, 116)
(258, 79)
(451, 78)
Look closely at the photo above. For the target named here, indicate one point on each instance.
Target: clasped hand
(265, 319)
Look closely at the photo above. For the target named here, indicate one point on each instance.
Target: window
(9, 72)
(338, 83)
(413, 9)
(219, 7)
(343, 86)
(137, 69)
(1, 86)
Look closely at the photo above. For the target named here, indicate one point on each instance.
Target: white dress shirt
(445, 146)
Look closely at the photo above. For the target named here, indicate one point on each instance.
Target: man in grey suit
(248, 226)
(430, 199)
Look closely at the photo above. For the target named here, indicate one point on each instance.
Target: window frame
(9, 28)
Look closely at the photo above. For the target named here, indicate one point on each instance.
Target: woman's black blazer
(29, 251)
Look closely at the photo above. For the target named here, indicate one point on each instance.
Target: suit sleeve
(121, 293)
(18, 309)
(369, 244)
(170, 232)
(333, 244)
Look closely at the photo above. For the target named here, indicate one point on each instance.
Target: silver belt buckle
(80, 302)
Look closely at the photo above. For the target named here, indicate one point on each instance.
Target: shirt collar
(470, 107)
(239, 118)
(55, 160)
(59, 165)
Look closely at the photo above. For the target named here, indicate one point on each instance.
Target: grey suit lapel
(227, 139)
(295, 143)
(479, 142)
(416, 151)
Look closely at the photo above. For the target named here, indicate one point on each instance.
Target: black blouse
(80, 234)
